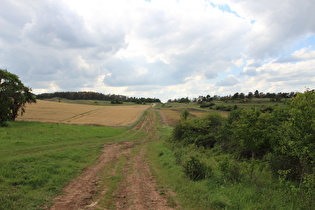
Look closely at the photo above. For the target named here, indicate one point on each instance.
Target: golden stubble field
(171, 116)
(54, 112)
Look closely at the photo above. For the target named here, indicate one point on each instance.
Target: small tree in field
(184, 115)
(13, 96)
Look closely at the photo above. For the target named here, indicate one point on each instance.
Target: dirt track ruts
(137, 190)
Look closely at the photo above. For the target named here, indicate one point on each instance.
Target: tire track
(79, 116)
(78, 193)
(138, 188)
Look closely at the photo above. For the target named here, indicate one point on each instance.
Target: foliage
(309, 188)
(225, 108)
(196, 170)
(219, 190)
(251, 131)
(89, 95)
(13, 96)
(230, 170)
(185, 114)
(295, 142)
(201, 132)
(283, 137)
(274, 97)
(116, 101)
(205, 105)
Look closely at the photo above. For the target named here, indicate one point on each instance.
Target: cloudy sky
(160, 48)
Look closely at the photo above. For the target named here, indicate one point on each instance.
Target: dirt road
(121, 178)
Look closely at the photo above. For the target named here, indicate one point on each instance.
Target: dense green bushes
(283, 137)
(196, 170)
(206, 105)
(201, 132)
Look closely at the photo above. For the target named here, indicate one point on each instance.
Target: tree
(296, 139)
(256, 94)
(208, 98)
(184, 115)
(242, 96)
(235, 96)
(250, 95)
(250, 130)
(202, 132)
(13, 96)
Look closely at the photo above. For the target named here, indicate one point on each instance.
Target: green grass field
(38, 159)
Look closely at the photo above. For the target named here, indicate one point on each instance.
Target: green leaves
(296, 136)
(13, 96)
(286, 133)
(201, 132)
(197, 170)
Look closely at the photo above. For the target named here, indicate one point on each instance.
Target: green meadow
(38, 159)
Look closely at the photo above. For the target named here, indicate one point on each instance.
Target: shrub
(196, 170)
(201, 132)
(226, 108)
(230, 170)
(116, 101)
(291, 164)
(184, 115)
(206, 105)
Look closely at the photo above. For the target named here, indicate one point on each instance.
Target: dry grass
(172, 115)
(45, 111)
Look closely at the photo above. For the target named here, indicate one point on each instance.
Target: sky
(165, 49)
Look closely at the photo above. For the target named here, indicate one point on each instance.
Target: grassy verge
(38, 159)
(231, 185)
(112, 176)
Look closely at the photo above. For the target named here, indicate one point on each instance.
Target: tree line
(237, 96)
(89, 95)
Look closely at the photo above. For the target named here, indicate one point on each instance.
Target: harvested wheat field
(171, 116)
(54, 112)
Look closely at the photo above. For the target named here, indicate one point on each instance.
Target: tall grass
(38, 159)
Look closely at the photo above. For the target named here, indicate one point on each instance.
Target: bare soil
(138, 188)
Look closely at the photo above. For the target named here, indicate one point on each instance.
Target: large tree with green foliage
(294, 151)
(13, 96)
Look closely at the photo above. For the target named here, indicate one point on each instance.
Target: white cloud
(163, 47)
(278, 24)
(230, 80)
(285, 76)
(239, 62)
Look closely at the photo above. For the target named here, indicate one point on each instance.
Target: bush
(116, 101)
(196, 170)
(201, 132)
(226, 108)
(230, 170)
(291, 164)
(206, 105)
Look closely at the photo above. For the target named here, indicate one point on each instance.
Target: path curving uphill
(121, 178)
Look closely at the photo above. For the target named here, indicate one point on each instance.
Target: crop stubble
(54, 112)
